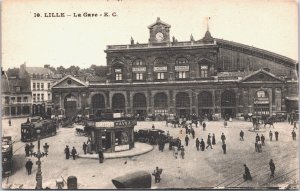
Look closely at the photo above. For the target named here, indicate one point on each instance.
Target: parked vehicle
(28, 129)
(7, 156)
(151, 136)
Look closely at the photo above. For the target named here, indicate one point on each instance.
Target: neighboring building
(206, 76)
(41, 80)
(16, 97)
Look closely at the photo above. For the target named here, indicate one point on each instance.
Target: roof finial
(158, 19)
(207, 22)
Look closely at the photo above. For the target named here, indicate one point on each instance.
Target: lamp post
(39, 155)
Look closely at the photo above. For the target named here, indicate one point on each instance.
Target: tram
(7, 156)
(28, 129)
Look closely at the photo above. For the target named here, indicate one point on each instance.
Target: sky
(64, 41)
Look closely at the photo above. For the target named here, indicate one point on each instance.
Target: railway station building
(165, 76)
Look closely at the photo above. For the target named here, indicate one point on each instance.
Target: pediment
(261, 76)
(69, 82)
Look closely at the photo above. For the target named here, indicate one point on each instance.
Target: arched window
(160, 69)
(118, 102)
(139, 100)
(228, 99)
(182, 99)
(205, 99)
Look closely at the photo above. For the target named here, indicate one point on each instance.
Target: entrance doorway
(183, 113)
(106, 142)
(70, 106)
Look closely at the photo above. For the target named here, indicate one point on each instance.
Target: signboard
(121, 147)
(261, 102)
(71, 99)
(124, 123)
(160, 68)
(104, 124)
(139, 69)
(117, 115)
(182, 68)
(204, 67)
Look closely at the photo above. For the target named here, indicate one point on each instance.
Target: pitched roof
(38, 70)
(96, 79)
(158, 21)
(8, 86)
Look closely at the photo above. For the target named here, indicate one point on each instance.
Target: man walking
(209, 141)
(223, 138)
(193, 132)
(187, 140)
(262, 140)
(294, 135)
(204, 126)
(74, 152)
(28, 166)
(101, 156)
(27, 150)
(182, 153)
(84, 147)
(67, 152)
(272, 168)
(276, 135)
(242, 135)
(270, 135)
(157, 172)
(202, 145)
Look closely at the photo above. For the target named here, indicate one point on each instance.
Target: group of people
(73, 152)
(247, 174)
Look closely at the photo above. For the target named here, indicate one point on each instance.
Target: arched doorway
(160, 104)
(205, 103)
(140, 105)
(98, 104)
(228, 104)
(182, 104)
(118, 103)
(70, 104)
(261, 104)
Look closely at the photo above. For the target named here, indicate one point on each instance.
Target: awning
(292, 98)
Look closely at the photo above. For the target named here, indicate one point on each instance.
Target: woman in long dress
(213, 139)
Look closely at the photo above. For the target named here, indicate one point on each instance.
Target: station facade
(164, 76)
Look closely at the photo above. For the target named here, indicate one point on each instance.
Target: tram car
(7, 156)
(28, 129)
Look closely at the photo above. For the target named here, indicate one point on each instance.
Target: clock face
(159, 36)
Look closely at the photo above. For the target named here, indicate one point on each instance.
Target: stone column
(171, 102)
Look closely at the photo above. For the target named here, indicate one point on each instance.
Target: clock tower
(159, 32)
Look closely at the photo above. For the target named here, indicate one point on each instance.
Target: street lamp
(39, 155)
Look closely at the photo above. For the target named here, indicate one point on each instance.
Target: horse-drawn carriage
(151, 136)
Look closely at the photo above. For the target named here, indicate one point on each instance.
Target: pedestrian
(270, 135)
(272, 168)
(202, 145)
(197, 144)
(276, 135)
(182, 152)
(84, 147)
(294, 135)
(27, 149)
(262, 140)
(101, 156)
(9, 122)
(168, 133)
(259, 146)
(223, 138)
(295, 125)
(178, 141)
(225, 124)
(193, 133)
(175, 151)
(257, 138)
(153, 127)
(208, 141)
(156, 173)
(224, 148)
(213, 139)
(89, 147)
(242, 135)
(74, 152)
(256, 146)
(67, 152)
(204, 126)
(187, 140)
(247, 175)
(28, 166)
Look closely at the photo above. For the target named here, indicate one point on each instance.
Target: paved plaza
(210, 168)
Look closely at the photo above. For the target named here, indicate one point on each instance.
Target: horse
(270, 123)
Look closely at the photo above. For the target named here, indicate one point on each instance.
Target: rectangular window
(18, 88)
(182, 75)
(42, 86)
(38, 86)
(19, 99)
(48, 86)
(34, 97)
(49, 96)
(118, 76)
(6, 100)
(33, 86)
(25, 99)
(139, 76)
(13, 99)
(38, 97)
(203, 71)
(42, 97)
(160, 75)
